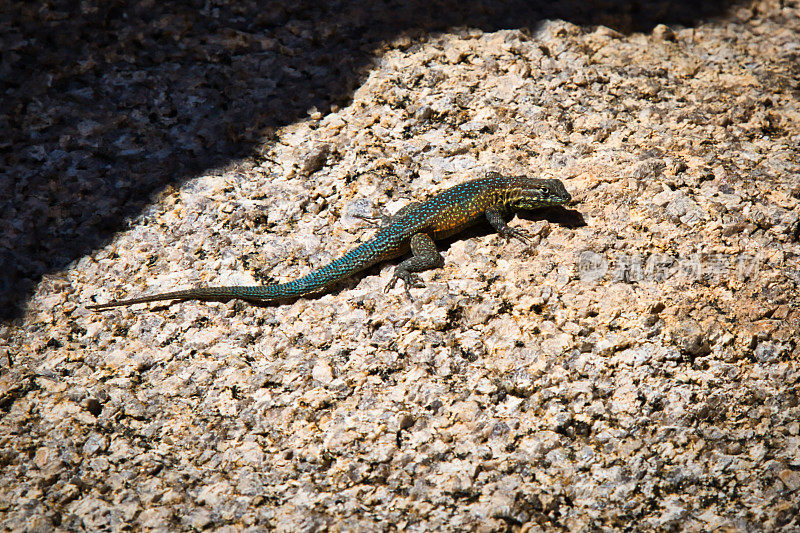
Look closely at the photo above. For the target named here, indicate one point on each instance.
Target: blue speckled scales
(443, 215)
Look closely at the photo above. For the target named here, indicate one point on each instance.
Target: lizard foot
(378, 222)
(517, 233)
(409, 280)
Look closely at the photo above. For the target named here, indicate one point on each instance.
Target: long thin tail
(352, 262)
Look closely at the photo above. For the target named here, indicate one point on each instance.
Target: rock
(691, 338)
(315, 159)
(634, 363)
(322, 372)
(663, 33)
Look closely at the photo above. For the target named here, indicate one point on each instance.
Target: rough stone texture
(637, 369)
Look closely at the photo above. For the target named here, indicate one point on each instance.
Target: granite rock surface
(636, 369)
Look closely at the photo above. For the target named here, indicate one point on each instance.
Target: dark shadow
(104, 103)
(563, 216)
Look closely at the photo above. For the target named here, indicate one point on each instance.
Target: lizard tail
(352, 262)
(255, 292)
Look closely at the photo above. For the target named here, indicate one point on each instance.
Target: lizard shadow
(106, 105)
(562, 216)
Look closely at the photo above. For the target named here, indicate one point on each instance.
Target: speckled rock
(637, 368)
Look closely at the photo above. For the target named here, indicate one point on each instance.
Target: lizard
(414, 227)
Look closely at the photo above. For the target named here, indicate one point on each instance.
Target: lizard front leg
(425, 257)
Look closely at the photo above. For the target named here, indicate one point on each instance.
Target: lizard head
(532, 193)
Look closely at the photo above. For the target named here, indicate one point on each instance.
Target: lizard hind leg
(385, 220)
(424, 257)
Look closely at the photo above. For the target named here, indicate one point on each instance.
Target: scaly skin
(414, 227)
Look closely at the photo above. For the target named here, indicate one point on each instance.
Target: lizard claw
(379, 221)
(391, 283)
(517, 233)
(410, 280)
